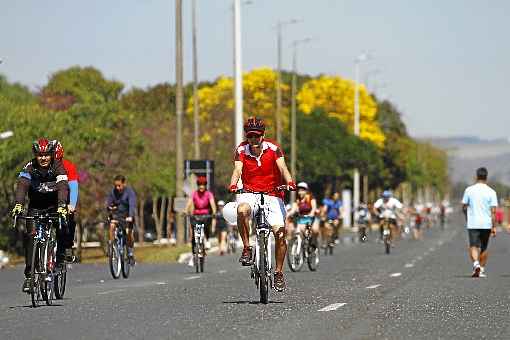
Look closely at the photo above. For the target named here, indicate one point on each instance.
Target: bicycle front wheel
(262, 271)
(60, 283)
(313, 257)
(125, 262)
(295, 255)
(115, 260)
(35, 277)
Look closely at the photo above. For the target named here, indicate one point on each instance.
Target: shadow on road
(30, 306)
(244, 302)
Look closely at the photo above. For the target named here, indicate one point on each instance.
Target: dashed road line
(373, 287)
(222, 271)
(332, 307)
(161, 283)
(409, 265)
(111, 291)
(192, 277)
(395, 274)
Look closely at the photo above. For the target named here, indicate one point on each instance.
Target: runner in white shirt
(479, 205)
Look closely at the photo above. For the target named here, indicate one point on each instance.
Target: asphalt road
(423, 290)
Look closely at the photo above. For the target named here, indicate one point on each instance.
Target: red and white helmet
(59, 150)
(254, 125)
(43, 145)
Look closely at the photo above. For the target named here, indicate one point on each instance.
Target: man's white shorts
(275, 209)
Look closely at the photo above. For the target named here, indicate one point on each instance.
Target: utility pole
(179, 171)
(196, 109)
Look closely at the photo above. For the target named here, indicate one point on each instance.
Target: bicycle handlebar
(267, 192)
(39, 217)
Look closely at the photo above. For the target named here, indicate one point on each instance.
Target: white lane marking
(192, 277)
(161, 283)
(332, 307)
(409, 265)
(222, 271)
(395, 274)
(372, 287)
(111, 291)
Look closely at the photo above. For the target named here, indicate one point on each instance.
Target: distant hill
(468, 153)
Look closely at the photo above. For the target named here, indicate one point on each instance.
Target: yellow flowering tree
(335, 96)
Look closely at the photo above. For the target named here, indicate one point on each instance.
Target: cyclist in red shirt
(72, 178)
(260, 164)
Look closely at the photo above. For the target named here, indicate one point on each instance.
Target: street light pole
(278, 112)
(179, 175)
(196, 117)
(293, 128)
(238, 76)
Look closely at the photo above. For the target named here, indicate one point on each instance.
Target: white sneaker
(476, 271)
(482, 272)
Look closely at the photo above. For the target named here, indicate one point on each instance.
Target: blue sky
(444, 63)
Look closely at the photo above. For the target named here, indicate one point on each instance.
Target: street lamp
(278, 113)
(293, 145)
(238, 75)
(356, 190)
(196, 118)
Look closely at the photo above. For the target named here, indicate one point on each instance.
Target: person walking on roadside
(479, 205)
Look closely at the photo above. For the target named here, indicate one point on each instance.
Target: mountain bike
(302, 248)
(118, 259)
(261, 269)
(198, 240)
(329, 242)
(44, 273)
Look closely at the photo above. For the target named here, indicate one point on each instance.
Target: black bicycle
(46, 280)
(261, 269)
(386, 221)
(302, 248)
(232, 237)
(198, 240)
(118, 250)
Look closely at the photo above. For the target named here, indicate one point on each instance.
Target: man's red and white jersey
(260, 173)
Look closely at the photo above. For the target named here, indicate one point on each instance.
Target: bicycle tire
(114, 260)
(34, 276)
(387, 245)
(60, 284)
(312, 258)
(50, 269)
(125, 265)
(295, 255)
(262, 271)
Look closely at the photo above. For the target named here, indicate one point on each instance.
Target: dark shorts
(479, 238)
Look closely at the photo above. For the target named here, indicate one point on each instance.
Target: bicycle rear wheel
(125, 262)
(295, 255)
(262, 271)
(115, 260)
(201, 259)
(50, 274)
(35, 278)
(387, 244)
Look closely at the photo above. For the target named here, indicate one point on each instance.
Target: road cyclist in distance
(331, 213)
(305, 207)
(260, 164)
(387, 204)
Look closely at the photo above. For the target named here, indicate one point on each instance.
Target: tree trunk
(141, 219)
(158, 214)
(169, 219)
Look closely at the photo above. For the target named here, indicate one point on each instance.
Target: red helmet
(254, 124)
(42, 145)
(201, 180)
(59, 150)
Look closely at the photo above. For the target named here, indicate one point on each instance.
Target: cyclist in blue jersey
(331, 215)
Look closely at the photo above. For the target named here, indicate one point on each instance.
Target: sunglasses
(253, 135)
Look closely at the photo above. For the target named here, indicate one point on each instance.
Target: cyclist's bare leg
(130, 238)
(243, 223)
(280, 247)
(112, 228)
(222, 240)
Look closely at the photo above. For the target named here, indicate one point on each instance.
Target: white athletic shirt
(393, 204)
(479, 198)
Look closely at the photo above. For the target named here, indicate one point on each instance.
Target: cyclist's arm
(189, 206)
(236, 174)
(22, 186)
(132, 203)
(213, 211)
(73, 194)
(62, 184)
(314, 207)
(280, 162)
